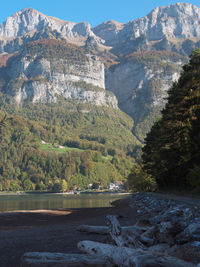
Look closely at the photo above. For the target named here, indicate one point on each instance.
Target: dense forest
(171, 153)
(59, 147)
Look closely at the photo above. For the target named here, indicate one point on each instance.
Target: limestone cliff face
(39, 75)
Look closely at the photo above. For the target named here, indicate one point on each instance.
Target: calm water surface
(56, 201)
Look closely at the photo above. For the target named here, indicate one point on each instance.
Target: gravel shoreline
(49, 230)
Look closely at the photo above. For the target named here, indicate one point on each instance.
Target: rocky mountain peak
(180, 20)
(179, 12)
(108, 30)
(111, 24)
(177, 8)
(22, 22)
(29, 19)
(27, 10)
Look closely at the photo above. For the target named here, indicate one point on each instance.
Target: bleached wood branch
(115, 230)
(126, 238)
(36, 259)
(114, 254)
(98, 229)
(127, 257)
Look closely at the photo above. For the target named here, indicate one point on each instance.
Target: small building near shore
(114, 186)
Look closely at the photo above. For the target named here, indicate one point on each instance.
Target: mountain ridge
(139, 82)
(145, 25)
(172, 10)
(176, 21)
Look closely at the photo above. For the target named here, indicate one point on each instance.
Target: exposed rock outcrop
(141, 84)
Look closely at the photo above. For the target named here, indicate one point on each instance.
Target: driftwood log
(122, 238)
(104, 230)
(129, 250)
(127, 257)
(37, 259)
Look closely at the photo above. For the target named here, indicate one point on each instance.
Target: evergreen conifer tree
(172, 147)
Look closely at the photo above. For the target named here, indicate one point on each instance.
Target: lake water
(56, 201)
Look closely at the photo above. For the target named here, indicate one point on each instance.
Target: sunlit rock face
(29, 20)
(180, 20)
(29, 24)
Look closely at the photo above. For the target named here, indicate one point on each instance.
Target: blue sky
(93, 11)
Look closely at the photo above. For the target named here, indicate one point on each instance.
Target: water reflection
(55, 201)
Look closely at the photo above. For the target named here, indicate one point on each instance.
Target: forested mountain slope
(69, 150)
